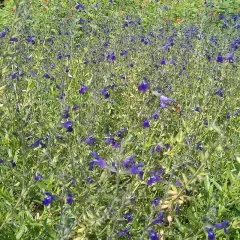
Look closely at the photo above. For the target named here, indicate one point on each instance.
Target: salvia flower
(128, 217)
(105, 93)
(159, 219)
(128, 162)
(146, 123)
(155, 116)
(89, 180)
(219, 58)
(48, 199)
(125, 232)
(99, 162)
(223, 225)
(211, 234)
(153, 179)
(164, 101)
(68, 125)
(79, 6)
(69, 200)
(38, 177)
(143, 87)
(135, 170)
(37, 143)
(153, 235)
(13, 164)
(111, 57)
(155, 201)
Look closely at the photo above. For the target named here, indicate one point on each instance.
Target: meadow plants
(113, 129)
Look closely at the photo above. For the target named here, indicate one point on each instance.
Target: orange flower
(178, 20)
(44, 9)
(12, 10)
(46, 1)
(165, 20)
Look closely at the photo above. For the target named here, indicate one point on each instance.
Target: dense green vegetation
(119, 119)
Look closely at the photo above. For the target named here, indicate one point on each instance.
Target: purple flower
(1, 161)
(155, 116)
(48, 199)
(153, 179)
(38, 177)
(211, 235)
(105, 93)
(163, 62)
(155, 201)
(219, 58)
(123, 52)
(153, 235)
(228, 116)
(75, 107)
(177, 183)
(220, 92)
(197, 109)
(3, 34)
(37, 143)
(164, 101)
(69, 200)
(199, 147)
(143, 86)
(167, 146)
(158, 148)
(30, 40)
(46, 75)
(128, 217)
(89, 180)
(13, 164)
(159, 219)
(83, 90)
(111, 57)
(68, 125)
(13, 40)
(79, 6)
(128, 162)
(222, 225)
(146, 123)
(90, 141)
(135, 170)
(125, 232)
(98, 161)
(229, 57)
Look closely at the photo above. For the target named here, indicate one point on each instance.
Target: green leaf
(21, 231)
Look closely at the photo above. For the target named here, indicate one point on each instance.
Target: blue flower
(128, 162)
(155, 116)
(89, 180)
(68, 125)
(143, 86)
(125, 232)
(211, 235)
(220, 92)
(98, 161)
(37, 143)
(3, 34)
(223, 225)
(111, 57)
(90, 141)
(156, 201)
(153, 235)
(158, 148)
(13, 164)
(219, 58)
(48, 199)
(69, 200)
(105, 93)
(135, 170)
(164, 101)
(79, 6)
(128, 217)
(146, 123)
(30, 40)
(38, 177)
